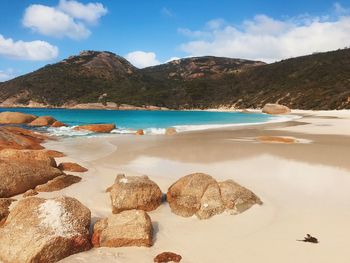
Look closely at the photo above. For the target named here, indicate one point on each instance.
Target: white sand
(299, 198)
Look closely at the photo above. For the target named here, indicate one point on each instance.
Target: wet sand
(304, 187)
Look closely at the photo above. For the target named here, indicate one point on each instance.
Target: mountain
(318, 81)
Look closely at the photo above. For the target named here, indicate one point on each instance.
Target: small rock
(54, 154)
(128, 228)
(135, 192)
(140, 132)
(170, 131)
(167, 257)
(98, 128)
(58, 183)
(42, 121)
(72, 167)
(276, 139)
(58, 124)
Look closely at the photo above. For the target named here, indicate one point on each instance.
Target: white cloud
(6, 74)
(142, 59)
(90, 12)
(166, 12)
(68, 19)
(32, 50)
(268, 39)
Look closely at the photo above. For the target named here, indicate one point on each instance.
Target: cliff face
(319, 81)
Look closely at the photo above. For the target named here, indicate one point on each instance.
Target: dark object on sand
(309, 239)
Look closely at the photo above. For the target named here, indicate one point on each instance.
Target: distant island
(96, 79)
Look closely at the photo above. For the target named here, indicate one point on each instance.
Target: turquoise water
(150, 121)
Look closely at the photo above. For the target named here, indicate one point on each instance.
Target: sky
(34, 33)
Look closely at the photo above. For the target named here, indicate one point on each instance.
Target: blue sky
(35, 33)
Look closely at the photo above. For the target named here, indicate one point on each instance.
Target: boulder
(4, 208)
(98, 128)
(167, 257)
(72, 167)
(275, 109)
(128, 228)
(58, 124)
(45, 230)
(42, 121)
(140, 132)
(135, 192)
(201, 195)
(185, 195)
(18, 138)
(58, 183)
(170, 131)
(237, 198)
(17, 177)
(8, 117)
(27, 155)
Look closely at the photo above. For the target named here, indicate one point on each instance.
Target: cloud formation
(142, 59)
(6, 74)
(268, 39)
(31, 50)
(68, 19)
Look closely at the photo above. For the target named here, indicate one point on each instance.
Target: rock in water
(17, 177)
(275, 109)
(45, 230)
(135, 192)
(42, 121)
(128, 228)
(98, 128)
(27, 155)
(201, 195)
(4, 208)
(166, 257)
(58, 124)
(72, 167)
(140, 132)
(8, 117)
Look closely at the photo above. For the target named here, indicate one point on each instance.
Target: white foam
(67, 131)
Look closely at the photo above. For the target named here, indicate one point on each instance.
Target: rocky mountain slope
(318, 81)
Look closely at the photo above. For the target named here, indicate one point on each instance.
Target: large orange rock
(140, 132)
(18, 138)
(45, 230)
(16, 176)
(8, 117)
(42, 121)
(27, 155)
(128, 228)
(201, 195)
(72, 167)
(98, 128)
(275, 109)
(135, 192)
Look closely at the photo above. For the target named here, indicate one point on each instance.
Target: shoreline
(293, 180)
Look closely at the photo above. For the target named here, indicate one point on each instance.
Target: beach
(304, 187)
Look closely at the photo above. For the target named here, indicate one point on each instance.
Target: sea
(152, 122)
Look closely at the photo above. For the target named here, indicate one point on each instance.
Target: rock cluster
(45, 230)
(201, 195)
